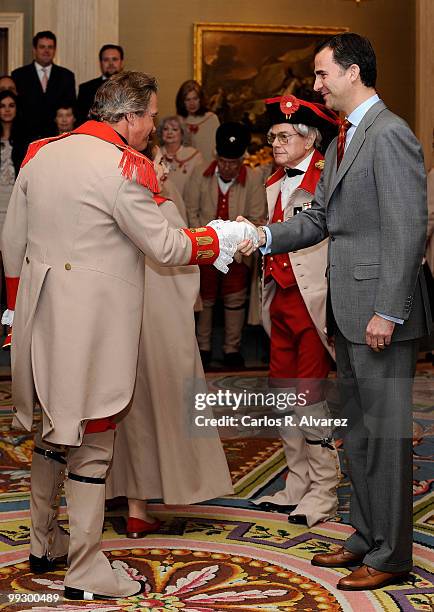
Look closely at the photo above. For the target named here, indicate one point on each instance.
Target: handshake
(236, 236)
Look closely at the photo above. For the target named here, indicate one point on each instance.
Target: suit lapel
(353, 148)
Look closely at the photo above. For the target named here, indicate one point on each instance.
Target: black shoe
(80, 595)
(298, 519)
(206, 358)
(233, 360)
(43, 565)
(270, 507)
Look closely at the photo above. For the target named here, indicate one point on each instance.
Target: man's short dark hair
(105, 47)
(350, 48)
(45, 34)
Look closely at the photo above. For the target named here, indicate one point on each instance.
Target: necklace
(194, 127)
(175, 163)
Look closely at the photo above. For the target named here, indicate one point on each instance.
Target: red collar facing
(132, 163)
(310, 178)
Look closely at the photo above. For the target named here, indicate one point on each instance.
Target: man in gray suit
(371, 203)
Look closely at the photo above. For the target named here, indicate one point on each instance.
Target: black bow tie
(293, 172)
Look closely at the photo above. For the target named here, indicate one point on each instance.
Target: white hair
(307, 130)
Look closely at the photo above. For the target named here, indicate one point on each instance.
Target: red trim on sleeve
(12, 283)
(204, 245)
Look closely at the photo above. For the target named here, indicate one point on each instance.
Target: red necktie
(343, 129)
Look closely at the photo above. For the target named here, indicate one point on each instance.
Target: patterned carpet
(224, 555)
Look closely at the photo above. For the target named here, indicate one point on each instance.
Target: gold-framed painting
(239, 65)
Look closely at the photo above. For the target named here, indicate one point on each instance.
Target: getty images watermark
(245, 406)
(276, 402)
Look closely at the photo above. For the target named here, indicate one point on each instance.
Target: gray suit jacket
(374, 210)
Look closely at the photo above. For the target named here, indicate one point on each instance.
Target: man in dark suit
(43, 87)
(371, 203)
(111, 60)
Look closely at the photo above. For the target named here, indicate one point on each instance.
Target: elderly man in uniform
(294, 309)
(223, 190)
(81, 216)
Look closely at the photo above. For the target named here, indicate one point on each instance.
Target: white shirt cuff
(389, 318)
(266, 249)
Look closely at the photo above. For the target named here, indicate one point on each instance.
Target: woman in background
(202, 124)
(12, 151)
(12, 148)
(180, 158)
(155, 453)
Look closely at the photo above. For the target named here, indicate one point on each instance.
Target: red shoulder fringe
(133, 164)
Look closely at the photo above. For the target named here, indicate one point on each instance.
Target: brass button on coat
(67, 266)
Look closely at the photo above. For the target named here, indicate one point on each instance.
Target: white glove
(8, 318)
(230, 234)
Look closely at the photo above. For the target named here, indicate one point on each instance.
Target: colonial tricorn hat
(232, 139)
(289, 109)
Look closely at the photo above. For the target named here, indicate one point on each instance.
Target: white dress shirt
(224, 186)
(41, 69)
(357, 115)
(290, 183)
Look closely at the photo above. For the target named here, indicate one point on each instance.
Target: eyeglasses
(282, 137)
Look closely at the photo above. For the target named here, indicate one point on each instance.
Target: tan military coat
(182, 165)
(202, 131)
(155, 453)
(81, 230)
(309, 265)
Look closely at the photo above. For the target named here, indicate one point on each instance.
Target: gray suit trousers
(376, 397)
